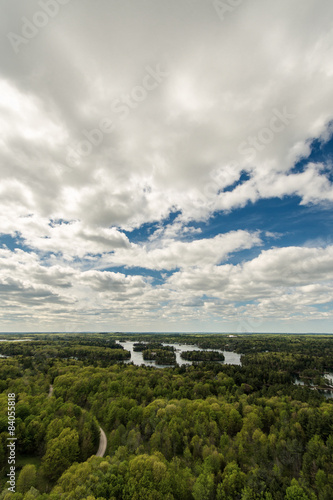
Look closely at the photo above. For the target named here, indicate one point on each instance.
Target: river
(231, 358)
(328, 393)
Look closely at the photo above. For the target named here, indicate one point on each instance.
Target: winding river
(231, 358)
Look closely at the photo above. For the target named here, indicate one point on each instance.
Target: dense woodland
(209, 431)
(202, 356)
(162, 356)
(143, 346)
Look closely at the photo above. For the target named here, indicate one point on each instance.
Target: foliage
(202, 355)
(203, 432)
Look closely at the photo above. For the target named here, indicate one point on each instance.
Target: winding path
(102, 440)
(50, 391)
(102, 444)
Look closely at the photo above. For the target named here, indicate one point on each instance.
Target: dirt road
(102, 444)
(50, 391)
(102, 440)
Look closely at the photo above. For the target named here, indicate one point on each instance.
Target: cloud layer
(117, 116)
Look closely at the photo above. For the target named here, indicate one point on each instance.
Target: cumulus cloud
(214, 98)
(281, 283)
(271, 270)
(169, 254)
(115, 116)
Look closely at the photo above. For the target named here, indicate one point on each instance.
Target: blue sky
(167, 167)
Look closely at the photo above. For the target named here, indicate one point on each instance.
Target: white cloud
(221, 87)
(170, 254)
(69, 238)
(282, 283)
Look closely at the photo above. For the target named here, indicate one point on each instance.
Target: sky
(166, 166)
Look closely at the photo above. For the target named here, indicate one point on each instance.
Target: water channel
(328, 393)
(231, 358)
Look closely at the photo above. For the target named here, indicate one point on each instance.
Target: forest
(207, 431)
(162, 356)
(202, 356)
